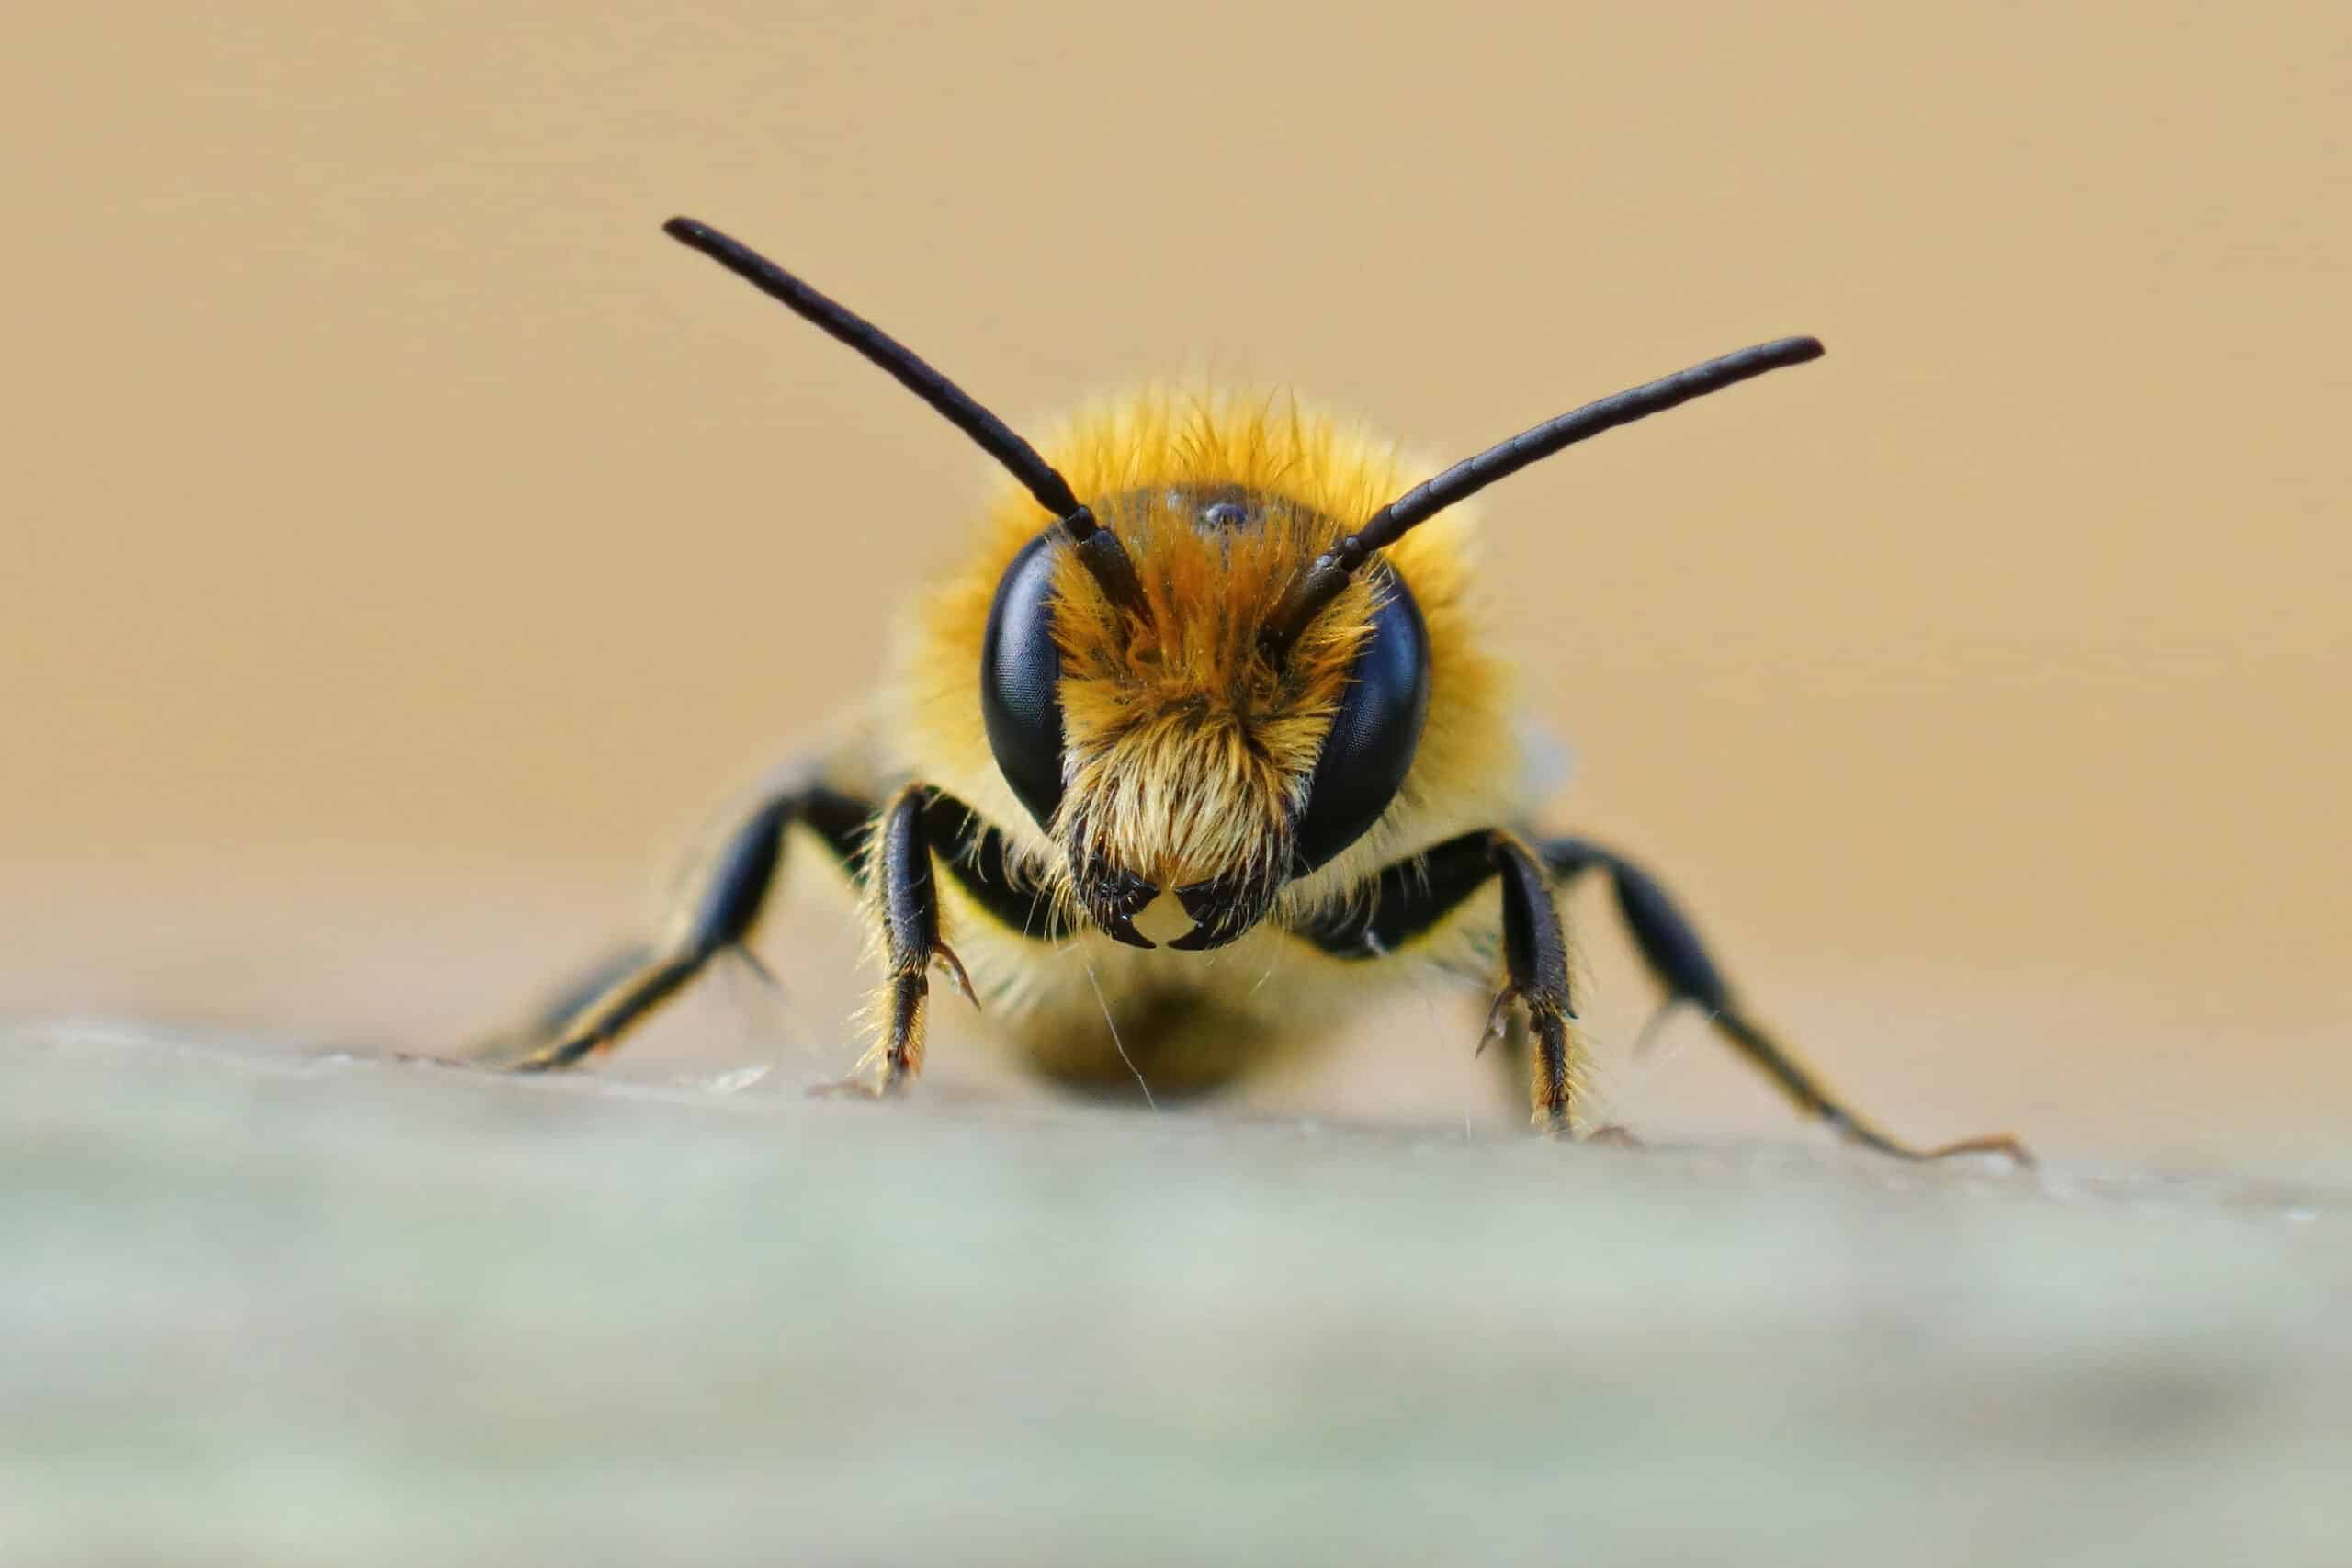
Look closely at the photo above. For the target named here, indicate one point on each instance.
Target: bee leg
(1670, 946)
(904, 886)
(1534, 1015)
(507, 1046)
(726, 896)
(1535, 969)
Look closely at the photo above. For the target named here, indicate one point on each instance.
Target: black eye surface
(1371, 745)
(1021, 672)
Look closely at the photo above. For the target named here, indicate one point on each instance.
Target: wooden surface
(263, 1308)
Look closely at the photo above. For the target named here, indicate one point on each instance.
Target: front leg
(1535, 968)
(905, 891)
(1412, 897)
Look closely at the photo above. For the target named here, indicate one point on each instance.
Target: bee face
(1161, 745)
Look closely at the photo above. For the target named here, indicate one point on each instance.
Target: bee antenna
(1321, 582)
(1099, 549)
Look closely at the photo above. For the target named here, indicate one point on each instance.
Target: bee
(1200, 749)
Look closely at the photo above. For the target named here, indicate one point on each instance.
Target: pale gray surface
(260, 1309)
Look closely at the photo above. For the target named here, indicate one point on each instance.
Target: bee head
(1163, 744)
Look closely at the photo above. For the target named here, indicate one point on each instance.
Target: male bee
(1199, 749)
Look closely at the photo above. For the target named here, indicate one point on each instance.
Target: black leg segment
(1413, 896)
(902, 879)
(717, 915)
(1670, 946)
(1535, 954)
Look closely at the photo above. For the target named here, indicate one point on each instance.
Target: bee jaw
(1113, 898)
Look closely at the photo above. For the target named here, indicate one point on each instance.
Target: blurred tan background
(405, 541)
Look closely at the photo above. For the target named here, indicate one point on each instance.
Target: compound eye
(1373, 737)
(1021, 672)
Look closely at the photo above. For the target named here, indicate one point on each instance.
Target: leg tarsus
(504, 1048)
(597, 1027)
(2005, 1144)
(1552, 1082)
(909, 996)
(1808, 1093)
(1848, 1123)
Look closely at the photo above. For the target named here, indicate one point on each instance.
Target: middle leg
(724, 895)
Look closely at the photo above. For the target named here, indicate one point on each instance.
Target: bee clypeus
(1200, 749)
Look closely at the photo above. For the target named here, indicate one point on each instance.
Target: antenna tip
(1802, 349)
(686, 231)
